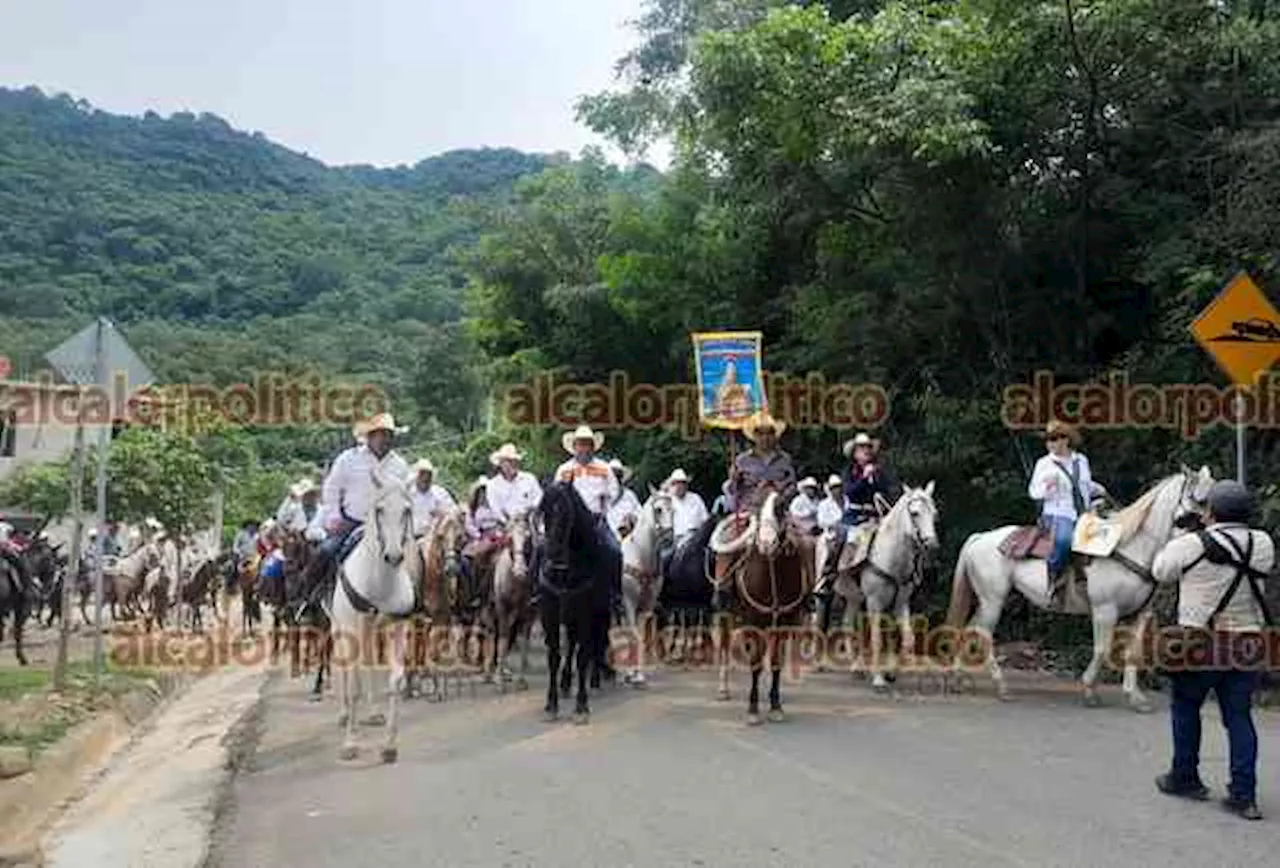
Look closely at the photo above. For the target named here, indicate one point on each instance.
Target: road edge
(241, 743)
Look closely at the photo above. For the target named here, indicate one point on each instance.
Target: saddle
(1029, 542)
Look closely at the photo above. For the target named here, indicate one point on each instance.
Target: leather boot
(1056, 586)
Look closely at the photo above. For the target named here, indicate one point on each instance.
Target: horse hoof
(1091, 700)
(374, 720)
(348, 752)
(550, 716)
(581, 718)
(1142, 706)
(776, 715)
(1004, 696)
(317, 697)
(639, 683)
(342, 721)
(723, 694)
(390, 754)
(880, 688)
(754, 719)
(487, 679)
(522, 684)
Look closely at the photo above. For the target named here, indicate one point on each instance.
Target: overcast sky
(346, 81)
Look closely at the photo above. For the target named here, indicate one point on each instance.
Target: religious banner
(730, 385)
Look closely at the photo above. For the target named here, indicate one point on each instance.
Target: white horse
(642, 572)
(512, 592)
(375, 581)
(889, 573)
(1118, 585)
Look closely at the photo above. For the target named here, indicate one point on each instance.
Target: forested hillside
(222, 254)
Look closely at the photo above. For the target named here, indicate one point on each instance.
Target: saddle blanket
(1095, 536)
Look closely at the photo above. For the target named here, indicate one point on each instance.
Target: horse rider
(1062, 482)
(830, 520)
(804, 508)
(863, 478)
(512, 492)
(431, 501)
(348, 490)
(624, 512)
(762, 469)
(596, 484)
(723, 504)
(688, 515)
(11, 553)
(298, 512)
(485, 531)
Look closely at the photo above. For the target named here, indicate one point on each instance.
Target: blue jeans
(1234, 690)
(337, 546)
(1063, 533)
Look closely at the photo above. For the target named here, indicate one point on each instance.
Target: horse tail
(962, 596)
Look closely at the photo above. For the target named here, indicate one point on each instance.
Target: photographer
(1220, 571)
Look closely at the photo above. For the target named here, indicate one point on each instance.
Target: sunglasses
(1055, 438)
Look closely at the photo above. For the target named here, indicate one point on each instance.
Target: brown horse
(438, 570)
(761, 600)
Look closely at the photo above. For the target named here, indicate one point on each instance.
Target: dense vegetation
(939, 196)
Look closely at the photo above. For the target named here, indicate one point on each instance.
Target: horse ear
(1205, 473)
(652, 491)
(928, 489)
(1186, 471)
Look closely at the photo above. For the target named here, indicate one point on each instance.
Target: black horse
(686, 599)
(575, 589)
(15, 600)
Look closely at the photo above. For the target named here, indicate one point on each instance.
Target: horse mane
(1132, 516)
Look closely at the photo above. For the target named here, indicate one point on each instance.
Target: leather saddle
(1029, 542)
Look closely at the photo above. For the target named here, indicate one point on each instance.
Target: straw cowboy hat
(423, 465)
(617, 465)
(1057, 427)
(763, 420)
(678, 475)
(302, 487)
(583, 432)
(808, 482)
(383, 422)
(834, 479)
(508, 452)
(863, 439)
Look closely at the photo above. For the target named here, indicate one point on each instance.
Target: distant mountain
(220, 252)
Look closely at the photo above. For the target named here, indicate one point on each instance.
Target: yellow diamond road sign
(1241, 330)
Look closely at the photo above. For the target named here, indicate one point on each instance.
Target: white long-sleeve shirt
(348, 489)
(804, 509)
(627, 505)
(688, 513)
(510, 497)
(595, 481)
(1050, 482)
(830, 512)
(429, 505)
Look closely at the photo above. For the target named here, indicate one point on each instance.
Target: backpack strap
(1244, 569)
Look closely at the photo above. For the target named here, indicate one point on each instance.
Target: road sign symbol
(1241, 330)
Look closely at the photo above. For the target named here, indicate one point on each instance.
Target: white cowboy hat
(384, 422)
(863, 439)
(481, 482)
(302, 487)
(423, 465)
(762, 420)
(506, 451)
(152, 523)
(616, 464)
(678, 475)
(583, 432)
(834, 479)
(808, 482)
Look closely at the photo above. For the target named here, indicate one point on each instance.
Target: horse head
(922, 514)
(565, 527)
(661, 514)
(391, 518)
(1193, 499)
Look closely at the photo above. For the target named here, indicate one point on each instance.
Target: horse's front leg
(1133, 657)
(722, 636)
(778, 646)
(875, 615)
(349, 688)
(586, 662)
(757, 652)
(907, 653)
(1104, 625)
(526, 628)
(19, 615)
(635, 675)
(551, 631)
(390, 752)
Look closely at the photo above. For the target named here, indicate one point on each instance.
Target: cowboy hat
(152, 523)
(678, 475)
(384, 422)
(507, 451)
(423, 465)
(481, 482)
(763, 420)
(1057, 427)
(834, 479)
(583, 432)
(808, 482)
(617, 465)
(302, 487)
(862, 439)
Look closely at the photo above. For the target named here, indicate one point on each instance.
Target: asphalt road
(670, 776)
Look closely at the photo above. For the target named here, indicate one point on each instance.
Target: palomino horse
(889, 571)
(374, 581)
(575, 588)
(642, 573)
(1118, 585)
(764, 591)
(512, 595)
(436, 571)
